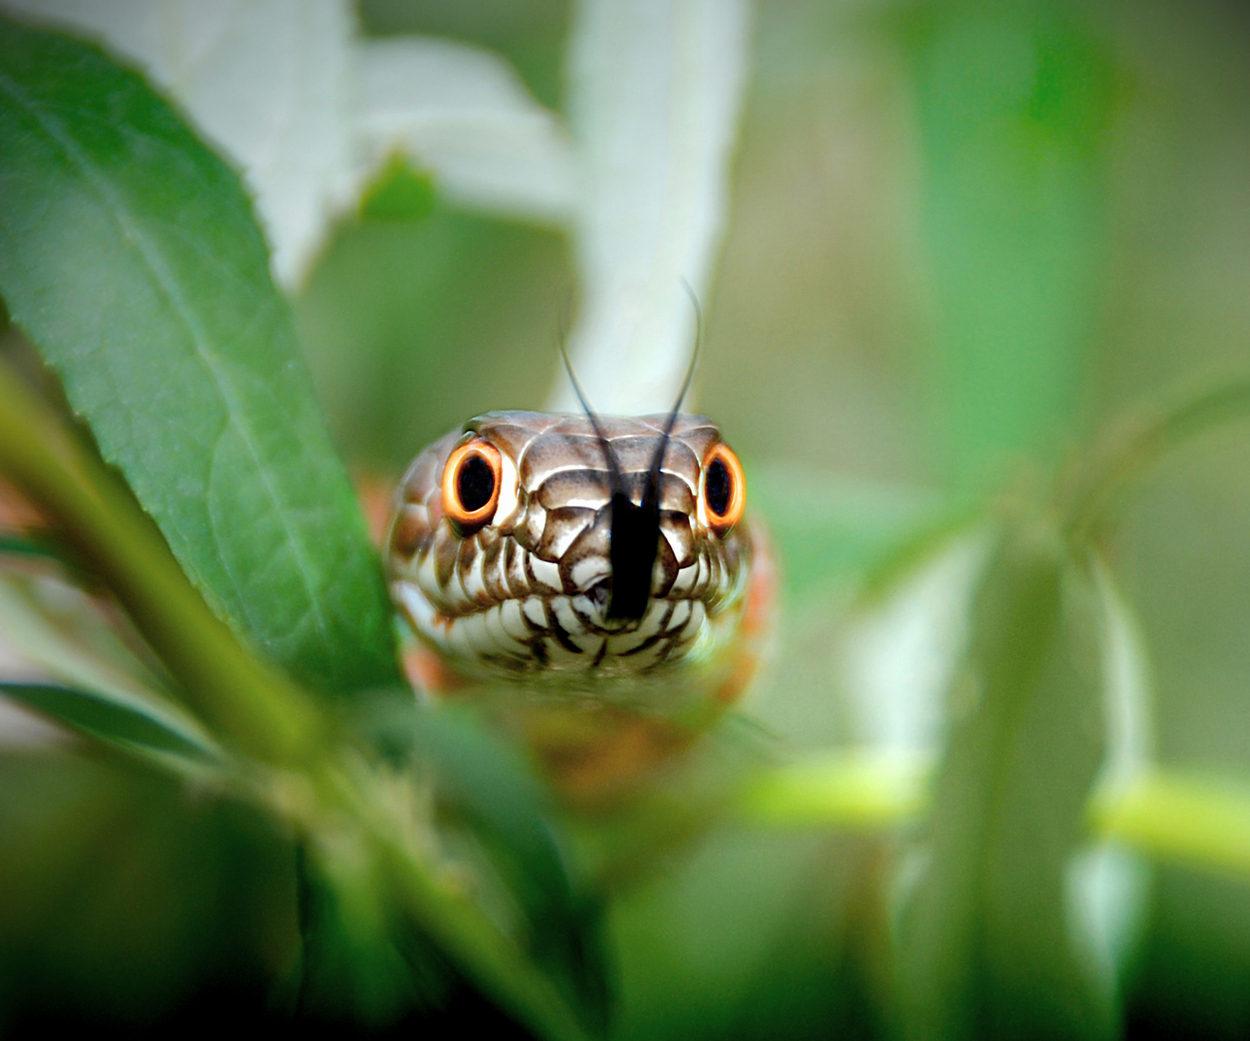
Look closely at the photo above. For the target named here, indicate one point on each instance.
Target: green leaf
(490, 785)
(130, 257)
(398, 193)
(1013, 102)
(109, 719)
(26, 546)
(101, 688)
(49, 552)
(356, 964)
(62, 633)
(984, 947)
(488, 958)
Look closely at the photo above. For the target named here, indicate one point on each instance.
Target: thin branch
(1131, 454)
(251, 706)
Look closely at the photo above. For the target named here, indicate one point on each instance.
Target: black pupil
(475, 483)
(718, 488)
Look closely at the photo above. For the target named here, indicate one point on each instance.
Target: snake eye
(471, 482)
(723, 491)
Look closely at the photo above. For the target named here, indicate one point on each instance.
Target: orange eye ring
(727, 489)
(472, 478)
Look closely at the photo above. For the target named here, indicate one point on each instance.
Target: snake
(600, 560)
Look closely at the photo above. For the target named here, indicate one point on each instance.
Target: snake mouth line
(556, 632)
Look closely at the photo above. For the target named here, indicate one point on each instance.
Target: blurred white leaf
(1107, 883)
(308, 111)
(1126, 678)
(463, 113)
(56, 632)
(271, 82)
(655, 89)
(898, 658)
(20, 727)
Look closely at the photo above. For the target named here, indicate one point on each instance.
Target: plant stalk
(250, 705)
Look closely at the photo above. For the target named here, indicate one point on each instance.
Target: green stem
(486, 955)
(1175, 816)
(1172, 815)
(1142, 444)
(860, 788)
(438, 903)
(258, 710)
(1180, 817)
(251, 706)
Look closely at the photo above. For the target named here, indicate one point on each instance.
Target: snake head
(539, 544)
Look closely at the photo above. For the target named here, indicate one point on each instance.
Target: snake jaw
(530, 592)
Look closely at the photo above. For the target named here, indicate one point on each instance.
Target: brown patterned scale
(500, 556)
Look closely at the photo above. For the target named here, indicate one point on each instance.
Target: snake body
(528, 594)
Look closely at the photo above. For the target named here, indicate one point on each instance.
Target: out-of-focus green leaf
(27, 546)
(127, 895)
(491, 786)
(45, 552)
(1013, 102)
(984, 948)
(398, 193)
(476, 773)
(107, 692)
(355, 965)
(60, 629)
(109, 719)
(130, 257)
(423, 894)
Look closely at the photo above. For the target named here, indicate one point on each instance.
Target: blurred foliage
(1013, 102)
(984, 940)
(149, 897)
(469, 305)
(967, 239)
(398, 192)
